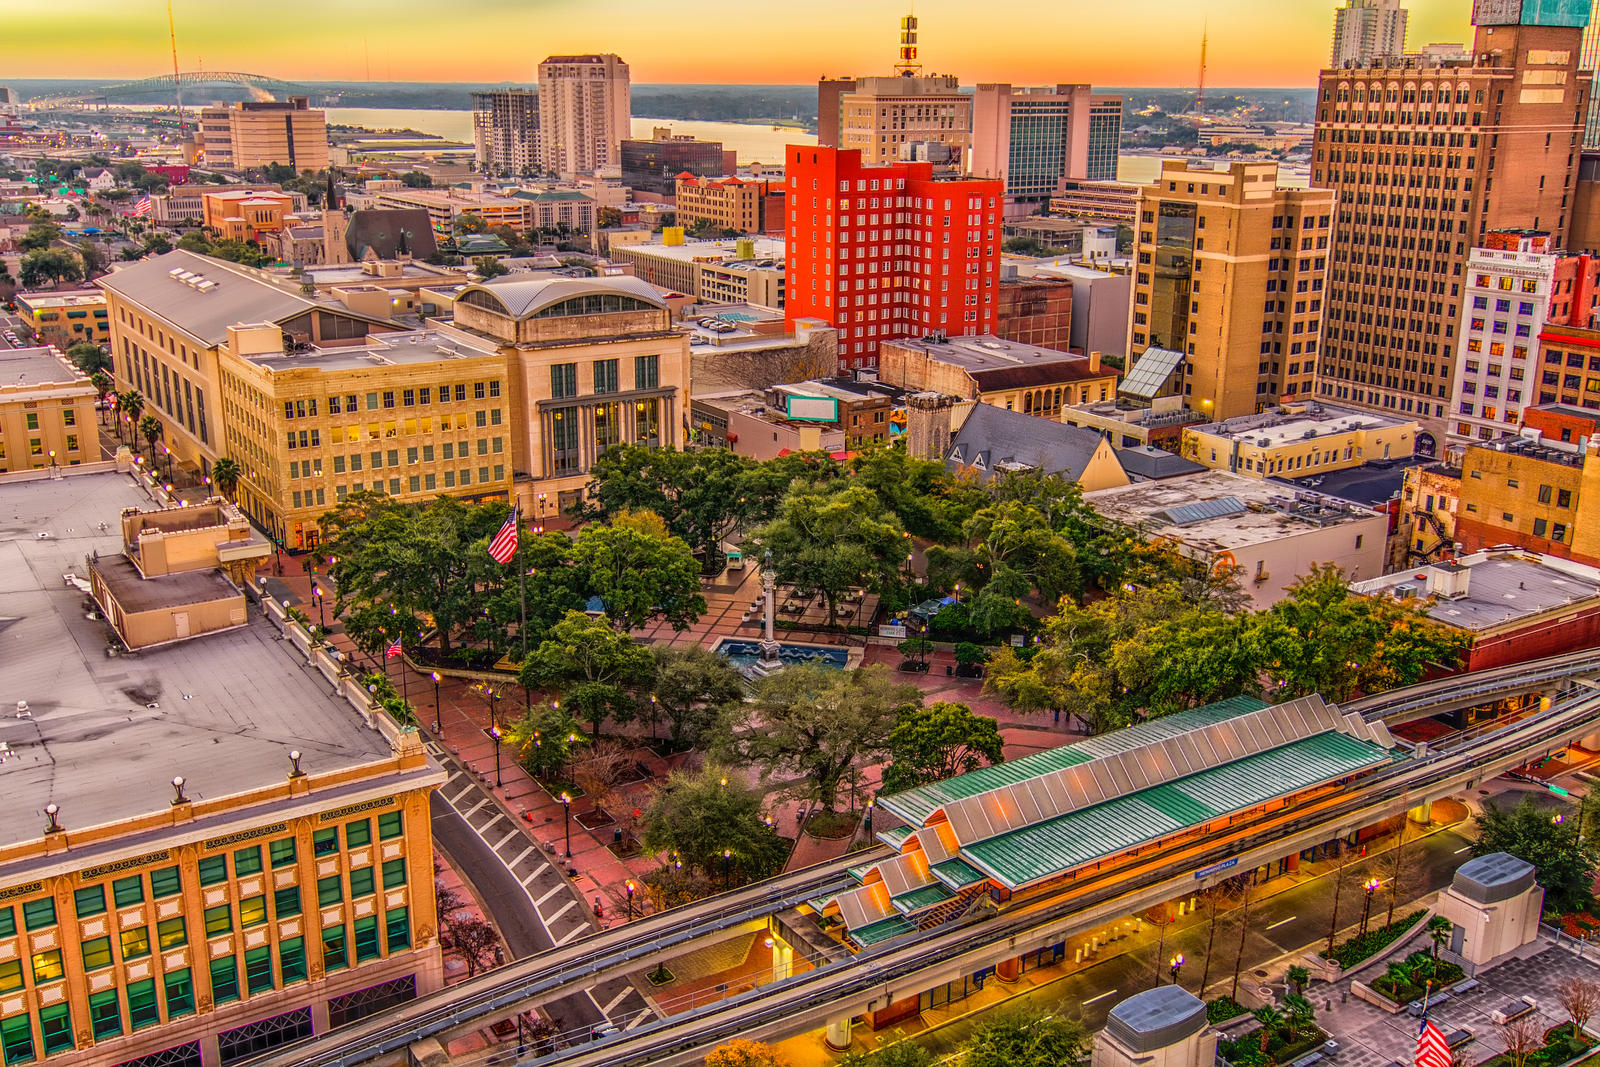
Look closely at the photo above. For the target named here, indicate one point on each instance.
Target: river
(754, 143)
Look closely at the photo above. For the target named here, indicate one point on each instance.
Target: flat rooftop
(725, 252)
(1270, 429)
(1217, 510)
(985, 352)
(381, 350)
(1502, 587)
(105, 735)
(1370, 484)
(37, 366)
(45, 301)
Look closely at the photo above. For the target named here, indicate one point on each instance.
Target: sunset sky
(1134, 42)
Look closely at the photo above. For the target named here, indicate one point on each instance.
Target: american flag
(141, 208)
(395, 650)
(1432, 1050)
(504, 546)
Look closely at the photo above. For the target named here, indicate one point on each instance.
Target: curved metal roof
(525, 298)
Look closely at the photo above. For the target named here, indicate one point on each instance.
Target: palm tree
(130, 404)
(1271, 1020)
(1299, 977)
(102, 386)
(1299, 1013)
(1439, 929)
(225, 476)
(150, 428)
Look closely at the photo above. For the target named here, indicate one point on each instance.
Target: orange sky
(1134, 42)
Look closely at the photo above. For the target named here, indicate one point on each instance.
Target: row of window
(421, 396)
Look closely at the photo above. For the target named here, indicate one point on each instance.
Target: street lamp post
(1176, 963)
(52, 463)
(494, 731)
(566, 818)
(1371, 886)
(316, 594)
(630, 900)
(437, 730)
(727, 868)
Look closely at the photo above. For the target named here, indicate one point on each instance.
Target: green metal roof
(883, 930)
(859, 871)
(1056, 845)
(895, 836)
(957, 873)
(916, 805)
(918, 899)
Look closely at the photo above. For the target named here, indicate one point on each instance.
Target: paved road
(533, 905)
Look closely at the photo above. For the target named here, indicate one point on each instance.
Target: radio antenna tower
(1200, 91)
(907, 66)
(177, 82)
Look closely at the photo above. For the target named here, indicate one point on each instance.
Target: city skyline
(1259, 43)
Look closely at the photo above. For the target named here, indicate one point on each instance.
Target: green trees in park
(689, 690)
(639, 575)
(813, 726)
(700, 817)
(1023, 1040)
(49, 266)
(595, 667)
(830, 539)
(1560, 851)
(89, 358)
(942, 741)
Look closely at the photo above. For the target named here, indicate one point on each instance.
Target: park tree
(43, 233)
(102, 387)
(940, 742)
(932, 502)
(416, 179)
(129, 405)
(690, 689)
(639, 577)
(467, 222)
(1323, 638)
(699, 816)
(92, 257)
(833, 539)
(89, 358)
(700, 495)
(817, 725)
(906, 1053)
(150, 430)
(225, 474)
(1012, 537)
(1580, 999)
(545, 739)
(48, 267)
(1024, 1040)
(488, 267)
(195, 241)
(743, 1053)
(592, 664)
(1565, 865)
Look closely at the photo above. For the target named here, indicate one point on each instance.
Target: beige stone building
(47, 415)
(254, 134)
(202, 881)
(738, 204)
(882, 116)
(444, 206)
(1300, 440)
(585, 107)
(1004, 374)
(590, 363)
(1230, 270)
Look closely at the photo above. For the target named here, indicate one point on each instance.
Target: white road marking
(470, 812)
(1102, 996)
(568, 906)
(637, 1019)
(509, 835)
(1283, 922)
(520, 856)
(581, 928)
(553, 890)
(618, 999)
(1460, 850)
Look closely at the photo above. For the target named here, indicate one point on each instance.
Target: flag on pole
(141, 208)
(503, 548)
(1432, 1050)
(395, 650)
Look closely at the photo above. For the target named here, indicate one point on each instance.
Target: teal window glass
(286, 901)
(394, 873)
(292, 959)
(283, 852)
(39, 913)
(105, 1014)
(16, 1039)
(8, 922)
(55, 1028)
(325, 842)
(333, 955)
(258, 969)
(357, 833)
(247, 861)
(128, 891)
(361, 881)
(180, 993)
(367, 939)
(143, 1010)
(213, 869)
(167, 882)
(329, 890)
(391, 825)
(224, 980)
(97, 953)
(90, 901)
(219, 920)
(398, 929)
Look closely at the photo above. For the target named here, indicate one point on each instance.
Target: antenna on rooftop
(907, 66)
(1200, 90)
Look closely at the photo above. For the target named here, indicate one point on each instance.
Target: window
(8, 922)
(286, 901)
(170, 933)
(1563, 498)
(391, 825)
(333, 956)
(563, 380)
(1539, 527)
(394, 873)
(143, 1010)
(90, 901)
(1558, 531)
(180, 993)
(135, 942)
(282, 852)
(605, 375)
(292, 959)
(357, 833)
(55, 1026)
(247, 861)
(224, 980)
(325, 842)
(1544, 494)
(361, 882)
(105, 1014)
(213, 869)
(39, 913)
(97, 953)
(16, 1039)
(258, 969)
(10, 976)
(367, 939)
(219, 920)
(252, 911)
(128, 891)
(47, 966)
(166, 882)
(397, 924)
(646, 372)
(330, 890)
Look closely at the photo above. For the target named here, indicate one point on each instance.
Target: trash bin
(616, 835)
(948, 670)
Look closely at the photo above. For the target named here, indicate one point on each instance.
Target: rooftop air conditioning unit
(1405, 591)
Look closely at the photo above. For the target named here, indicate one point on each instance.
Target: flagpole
(522, 590)
(1427, 990)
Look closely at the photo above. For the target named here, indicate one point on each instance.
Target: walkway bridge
(162, 89)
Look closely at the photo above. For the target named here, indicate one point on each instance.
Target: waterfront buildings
(1366, 29)
(204, 881)
(1229, 271)
(584, 111)
(1036, 139)
(253, 134)
(505, 132)
(47, 415)
(884, 252)
(65, 318)
(1424, 157)
(654, 166)
(743, 205)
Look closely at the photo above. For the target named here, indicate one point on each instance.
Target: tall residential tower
(1366, 29)
(584, 113)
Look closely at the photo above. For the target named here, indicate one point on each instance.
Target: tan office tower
(1425, 159)
(882, 116)
(584, 113)
(1230, 271)
(830, 94)
(256, 133)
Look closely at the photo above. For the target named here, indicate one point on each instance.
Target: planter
(1365, 992)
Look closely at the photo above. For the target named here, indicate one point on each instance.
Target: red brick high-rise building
(888, 251)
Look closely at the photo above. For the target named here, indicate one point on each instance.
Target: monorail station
(1053, 822)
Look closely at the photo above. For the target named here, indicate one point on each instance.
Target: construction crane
(177, 82)
(1200, 92)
